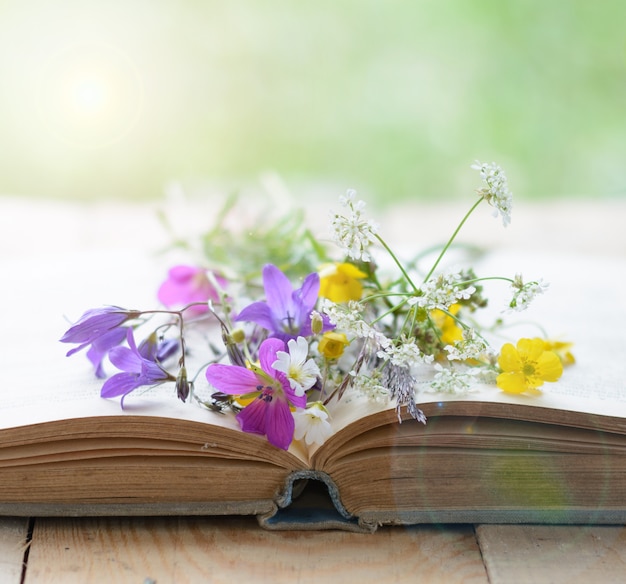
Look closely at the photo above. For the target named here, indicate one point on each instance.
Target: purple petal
(278, 292)
(95, 323)
(279, 424)
(125, 359)
(232, 379)
(308, 293)
(151, 373)
(101, 346)
(253, 417)
(260, 313)
(267, 354)
(119, 384)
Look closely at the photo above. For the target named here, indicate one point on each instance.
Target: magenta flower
(100, 328)
(137, 371)
(286, 312)
(269, 414)
(185, 285)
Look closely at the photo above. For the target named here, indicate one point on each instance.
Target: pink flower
(269, 413)
(185, 285)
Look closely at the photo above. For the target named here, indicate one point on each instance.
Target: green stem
(397, 262)
(456, 232)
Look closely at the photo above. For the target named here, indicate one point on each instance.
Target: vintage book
(481, 457)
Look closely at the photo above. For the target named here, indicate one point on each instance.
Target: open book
(482, 457)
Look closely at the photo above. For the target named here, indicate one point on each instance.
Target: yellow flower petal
(511, 382)
(340, 282)
(332, 344)
(509, 359)
(549, 366)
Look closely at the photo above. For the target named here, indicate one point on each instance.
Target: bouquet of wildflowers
(285, 328)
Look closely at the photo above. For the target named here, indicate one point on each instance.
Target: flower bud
(182, 385)
(317, 323)
(332, 344)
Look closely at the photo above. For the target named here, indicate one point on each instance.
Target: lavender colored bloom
(286, 313)
(157, 350)
(269, 414)
(101, 346)
(137, 371)
(100, 328)
(94, 323)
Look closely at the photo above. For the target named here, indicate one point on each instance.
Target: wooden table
(234, 549)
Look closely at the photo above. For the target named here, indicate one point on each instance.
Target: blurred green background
(395, 98)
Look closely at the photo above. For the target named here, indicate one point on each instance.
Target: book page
(42, 385)
(583, 305)
(42, 295)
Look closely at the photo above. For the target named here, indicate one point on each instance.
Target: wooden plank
(227, 549)
(553, 553)
(13, 544)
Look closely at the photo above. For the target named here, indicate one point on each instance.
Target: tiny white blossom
(348, 317)
(370, 386)
(451, 380)
(442, 292)
(312, 425)
(405, 353)
(496, 190)
(353, 233)
(525, 293)
(300, 372)
(472, 346)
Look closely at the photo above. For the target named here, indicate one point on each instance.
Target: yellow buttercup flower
(527, 366)
(450, 330)
(340, 282)
(332, 344)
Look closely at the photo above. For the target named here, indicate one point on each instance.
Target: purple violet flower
(101, 346)
(101, 328)
(269, 413)
(156, 350)
(286, 312)
(137, 371)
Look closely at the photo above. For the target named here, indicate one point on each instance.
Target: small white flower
(442, 292)
(472, 346)
(300, 372)
(312, 424)
(496, 190)
(352, 233)
(525, 293)
(405, 353)
(451, 380)
(370, 386)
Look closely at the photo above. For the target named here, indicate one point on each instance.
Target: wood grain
(553, 554)
(13, 542)
(235, 549)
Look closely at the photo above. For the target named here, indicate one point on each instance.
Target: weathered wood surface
(553, 554)
(13, 546)
(235, 549)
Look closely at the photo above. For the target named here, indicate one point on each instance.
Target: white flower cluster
(348, 318)
(442, 292)
(525, 293)
(496, 192)
(404, 354)
(370, 386)
(452, 380)
(472, 346)
(353, 233)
